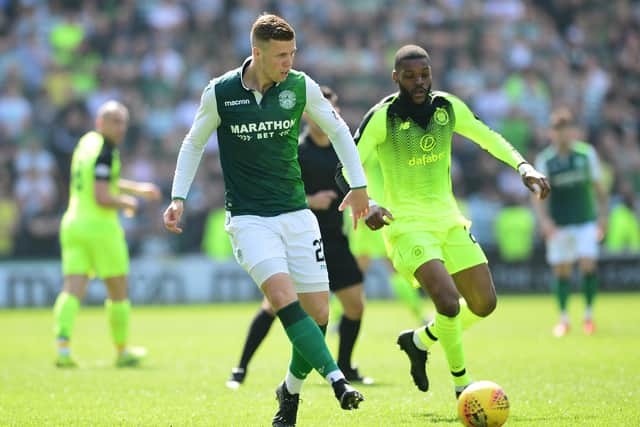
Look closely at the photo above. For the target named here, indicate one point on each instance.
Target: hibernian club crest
(441, 116)
(287, 99)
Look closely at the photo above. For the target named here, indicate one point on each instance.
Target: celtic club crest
(287, 99)
(441, 116)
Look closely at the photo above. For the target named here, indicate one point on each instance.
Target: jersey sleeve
(371, 132)
(468, 125)
(594, 164)
(206, 121)
(102, 170)
(322, 112)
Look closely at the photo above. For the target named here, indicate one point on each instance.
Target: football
(483, 404)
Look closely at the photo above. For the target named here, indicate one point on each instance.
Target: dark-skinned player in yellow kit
(429, 241)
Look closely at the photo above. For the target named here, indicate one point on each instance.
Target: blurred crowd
(512, 61)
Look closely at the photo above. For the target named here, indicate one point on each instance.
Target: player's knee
(485, 308)
(563, 271)
(354, 309)
(587, 266)
(320, 314)
(449, 307)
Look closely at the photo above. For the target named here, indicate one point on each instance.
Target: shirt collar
(244, 66)
(405, 109)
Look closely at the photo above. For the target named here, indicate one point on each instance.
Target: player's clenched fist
(535, 181)
(378, 217)
(172, 215)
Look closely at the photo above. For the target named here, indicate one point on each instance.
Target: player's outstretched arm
(146, 190)
(172, 215)
(104, 198)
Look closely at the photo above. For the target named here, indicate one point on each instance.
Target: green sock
(406, 293)
(562, 288)
(298, 366)
(118, 315)
(589, 287)
(64, 311)
(308, 342)
(449, 332)
(427, 334)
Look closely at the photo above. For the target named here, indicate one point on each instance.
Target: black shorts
(341, 265)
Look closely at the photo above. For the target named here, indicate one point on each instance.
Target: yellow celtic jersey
(93, 159)
(415, 158)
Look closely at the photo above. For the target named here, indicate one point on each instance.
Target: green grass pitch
(574, 381)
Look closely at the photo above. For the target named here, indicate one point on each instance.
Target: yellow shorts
(456, 247)
(94, 251)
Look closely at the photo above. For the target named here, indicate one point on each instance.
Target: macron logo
(235, 102)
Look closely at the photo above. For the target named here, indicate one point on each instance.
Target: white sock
(417, 341)
(460, 389)
(564, 317)
(294, 385)
(334, 376)
(588, 313)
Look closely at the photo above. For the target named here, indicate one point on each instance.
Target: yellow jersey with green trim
(93, 159)
(415, 158)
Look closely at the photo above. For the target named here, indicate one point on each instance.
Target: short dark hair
(561, 117)
(410, 51)
(329, 94)
(271, 27)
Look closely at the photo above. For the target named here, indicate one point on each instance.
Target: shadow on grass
(357, 385)
(435, 419)
(521, 419)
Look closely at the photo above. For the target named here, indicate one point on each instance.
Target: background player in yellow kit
(92, 240)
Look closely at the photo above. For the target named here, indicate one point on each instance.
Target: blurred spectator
(15, 109)
(9, 215)
(69, 125)
(483, 206)
(511, 60)
(623, 231)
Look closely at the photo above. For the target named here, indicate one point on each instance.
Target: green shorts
(94, 251)
(366, 242)
(456, 247)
